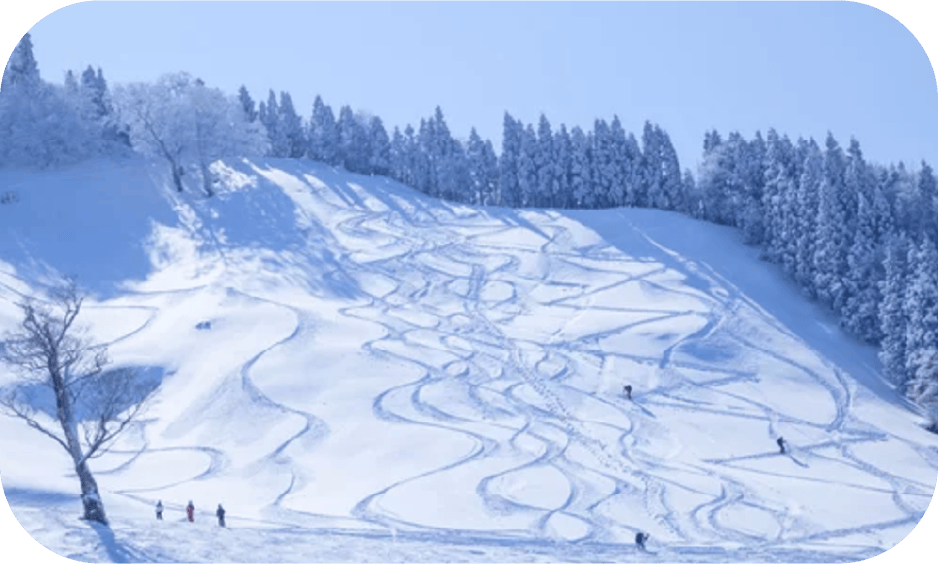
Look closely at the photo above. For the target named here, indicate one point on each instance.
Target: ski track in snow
(532, 389)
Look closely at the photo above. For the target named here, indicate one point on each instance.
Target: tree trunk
(206, 179)
(90, 499)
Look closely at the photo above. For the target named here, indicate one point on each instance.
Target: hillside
(361, 373)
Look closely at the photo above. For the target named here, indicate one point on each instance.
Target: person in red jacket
(190, 511)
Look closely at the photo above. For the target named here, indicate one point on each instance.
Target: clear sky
(801, 67)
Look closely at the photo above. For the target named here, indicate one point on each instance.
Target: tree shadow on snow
(698, 251)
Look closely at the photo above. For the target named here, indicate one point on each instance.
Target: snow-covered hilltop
(359, 372)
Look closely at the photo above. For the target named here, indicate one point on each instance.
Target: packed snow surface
(361, 373)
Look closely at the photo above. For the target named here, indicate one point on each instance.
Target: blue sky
(801, 67)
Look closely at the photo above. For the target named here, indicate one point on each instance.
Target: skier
(159, 510)
(781, 445)
(190, 511)
(220, 512)
(628, 391)
(640, 539)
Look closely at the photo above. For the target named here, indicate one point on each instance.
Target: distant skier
(190, 511)
(640, 539)
(159, 510)
(627, 390)
(781, 445)
(220, 512)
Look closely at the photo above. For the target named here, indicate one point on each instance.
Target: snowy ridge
(361, 373)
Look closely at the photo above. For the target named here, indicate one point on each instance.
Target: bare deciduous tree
(91, 406)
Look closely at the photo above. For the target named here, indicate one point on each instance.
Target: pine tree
(581, 185)
(692, 198)
(561, 160)
(475, 154)
(892, 319)
(445, 163)
(398, 157)
(21, 71)
(830, 243)
(671, 182)
(921, 311)
(544, 164)
(353, 148)
(247, 103)
(323, 134)
(632, 168)
(860, 313)
(424, 167)
(527, 168)
(807, 201)
(270, 119)
(601, 163)
(928, 202)
(490, 175)
(380, 148)
(508, 162)
(653, 177)
(620, 164)
(292, 142)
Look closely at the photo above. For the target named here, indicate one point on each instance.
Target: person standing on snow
(627, 390)
(159, 510)
(640, 539)
(781, 445)
(220, 513)
(190, 511)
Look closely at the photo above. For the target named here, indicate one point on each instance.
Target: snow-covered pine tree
(349, 151)
(291, 136)
(21, 71)
(692, 198)
(631, 169)
(807, 202)
(247, 104)
(892, 319)
(581, 185)
(601, 163)
(459, 169)
(508, 162)
(527, 168)
(830, 260)
(928, 202)
(620, 164)
(671, 182)
(544, 164)
(475, 151)
(270, 119)
(491, 196)
(442, 157)
(860, 313)
(561, 159)
(424, 168)
(651, 158)
(380, 148)
(397, 156)
(921, 311)
(323, 134)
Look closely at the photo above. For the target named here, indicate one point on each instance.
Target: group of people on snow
(190, 512)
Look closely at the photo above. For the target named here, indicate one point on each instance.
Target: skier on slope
(640, 539)
(190, 511)
(220, 513)
(781, 445)
(159, 510)
(627, 390)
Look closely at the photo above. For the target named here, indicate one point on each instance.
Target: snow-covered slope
(359, 373)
